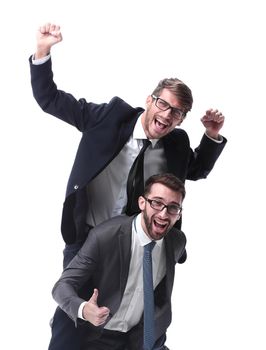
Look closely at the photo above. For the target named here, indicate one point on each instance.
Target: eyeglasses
(172, 209)
(164, 106)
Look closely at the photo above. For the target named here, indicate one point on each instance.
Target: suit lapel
(125, 239)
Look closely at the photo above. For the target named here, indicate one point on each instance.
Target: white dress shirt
(107, 192)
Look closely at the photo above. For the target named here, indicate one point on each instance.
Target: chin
(156, 237)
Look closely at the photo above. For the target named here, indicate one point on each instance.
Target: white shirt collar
(139, 133)
(142, 236)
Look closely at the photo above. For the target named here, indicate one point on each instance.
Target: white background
(124, 48)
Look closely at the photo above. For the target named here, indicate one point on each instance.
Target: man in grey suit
(111, 260)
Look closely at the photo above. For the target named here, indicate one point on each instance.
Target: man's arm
(203, 159)
(79, 271)
(63, 105)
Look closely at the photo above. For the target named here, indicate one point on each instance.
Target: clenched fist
(47, 36)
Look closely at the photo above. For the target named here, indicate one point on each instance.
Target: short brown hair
(181, 91)
(168, 180)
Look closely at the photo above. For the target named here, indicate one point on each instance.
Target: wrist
(81, 311)
(213, 135)
(41, 52)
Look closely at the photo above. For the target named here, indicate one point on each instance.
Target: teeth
(159, 224)
(161, 124)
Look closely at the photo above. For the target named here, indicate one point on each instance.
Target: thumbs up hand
(93, 313)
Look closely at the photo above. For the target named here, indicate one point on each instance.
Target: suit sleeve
(203, 159)
(79, 113)
(79, 270)
(180, 240)
(183, 257)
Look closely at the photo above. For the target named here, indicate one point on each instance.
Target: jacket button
(76, 187)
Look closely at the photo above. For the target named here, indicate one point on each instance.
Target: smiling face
(157, 123)
(156, 223)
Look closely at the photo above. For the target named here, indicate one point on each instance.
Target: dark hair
(168, 180)
(181, 91)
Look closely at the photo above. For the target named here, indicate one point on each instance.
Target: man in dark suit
(111, 259)
(112, 135)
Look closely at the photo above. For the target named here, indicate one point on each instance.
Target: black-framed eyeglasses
(177, 113)
(173, 209)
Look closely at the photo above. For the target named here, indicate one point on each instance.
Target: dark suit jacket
(105, 129)
(104, 260)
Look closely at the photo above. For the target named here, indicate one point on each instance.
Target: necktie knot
(146, 143)
(149, 247)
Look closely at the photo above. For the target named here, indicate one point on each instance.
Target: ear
(178, 217)
(141, 202)
(180, 122)
(148, 100)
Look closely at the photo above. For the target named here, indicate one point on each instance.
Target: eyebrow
(161, 199)
(174, 107)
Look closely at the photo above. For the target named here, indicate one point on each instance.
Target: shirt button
(76, 187)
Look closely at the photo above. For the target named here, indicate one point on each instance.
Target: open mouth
(160, 226)
(161, 126)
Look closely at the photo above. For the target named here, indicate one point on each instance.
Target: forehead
(166, 194)
(169, 97)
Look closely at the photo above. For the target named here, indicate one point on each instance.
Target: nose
(163, 213)
(168, 113)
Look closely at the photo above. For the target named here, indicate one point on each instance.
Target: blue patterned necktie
(149, 331)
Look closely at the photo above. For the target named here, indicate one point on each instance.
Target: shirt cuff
(40, 60)
(220, 139)
(80, 315)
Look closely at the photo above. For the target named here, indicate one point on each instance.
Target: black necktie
(148, 295)
(135, 181)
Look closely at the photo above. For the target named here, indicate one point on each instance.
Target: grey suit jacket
(104, 260)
